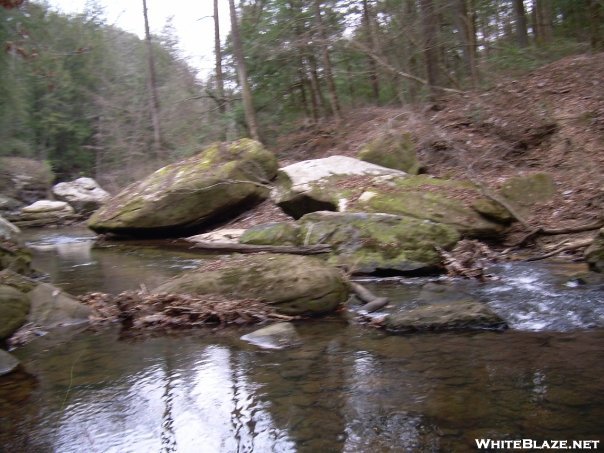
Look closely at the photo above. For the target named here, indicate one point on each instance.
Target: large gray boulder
(83, 194)
(364, 242)
(293, 285)
(307, 186)
(314, 186)
(178, 199)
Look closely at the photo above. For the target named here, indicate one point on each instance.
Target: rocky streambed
(328, 384)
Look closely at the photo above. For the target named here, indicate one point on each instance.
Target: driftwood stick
(249, 248)
(372, 302)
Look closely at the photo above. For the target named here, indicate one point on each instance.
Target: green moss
(192, 191)
(368, 242)
(524, 191)
(392, 151)
(272, 234)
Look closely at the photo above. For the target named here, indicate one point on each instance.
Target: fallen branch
(565, 248)
(371, 301)
(249, 248)
(564, 230)
(379, 60)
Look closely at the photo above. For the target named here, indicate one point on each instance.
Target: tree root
(555, 231)
(562, 248)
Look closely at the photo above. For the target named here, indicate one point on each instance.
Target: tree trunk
(595, 24)
(542, 21)
(521, 28)
(466, 33)
(372, 43)
(218, 55)
(430, 31)
(154, 104)
(246, 92)
(331, 86)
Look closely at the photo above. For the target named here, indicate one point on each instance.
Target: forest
(94, 100)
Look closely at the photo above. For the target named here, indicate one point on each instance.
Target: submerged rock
(51, 307)
(293, 285)
(276, 336)
(178, 199)
(83, 194)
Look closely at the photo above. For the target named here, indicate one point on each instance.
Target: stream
(345, 387)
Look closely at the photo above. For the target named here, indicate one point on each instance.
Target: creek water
(343, 387)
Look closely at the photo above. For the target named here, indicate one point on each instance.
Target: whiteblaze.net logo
(532, 444)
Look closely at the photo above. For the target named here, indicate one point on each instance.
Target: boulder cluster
(377, 214)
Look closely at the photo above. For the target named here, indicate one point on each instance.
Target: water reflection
(342, 388)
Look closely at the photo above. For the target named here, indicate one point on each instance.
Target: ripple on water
(530, 297)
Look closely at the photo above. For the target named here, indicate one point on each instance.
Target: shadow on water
(344, 387)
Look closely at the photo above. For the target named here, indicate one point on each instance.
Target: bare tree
(327, 68)
(154, 102)
(369, 22)
(218, 55)
(521, 29)
(246, 92)
(430, 31)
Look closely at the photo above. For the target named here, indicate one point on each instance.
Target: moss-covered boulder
(451, 202)
(315, 186)
(524, 191)
(364, 242)
(594, 254)
(14, 307)
(15, 257)
(180, 198)
(392, 150)
(276, 233)
(293, 284)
